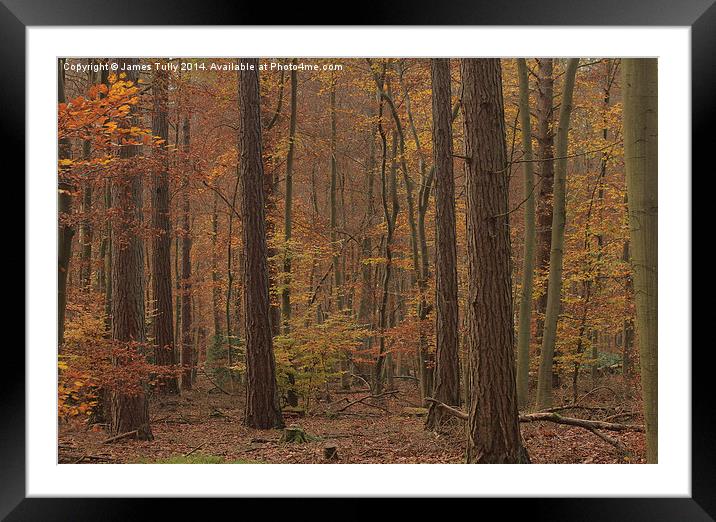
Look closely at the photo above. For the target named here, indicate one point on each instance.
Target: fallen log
(582, 423)
(550, 417)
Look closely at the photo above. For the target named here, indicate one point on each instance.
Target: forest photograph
(357, 260)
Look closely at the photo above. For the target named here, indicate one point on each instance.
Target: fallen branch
(550, 417)
(198, 447)
(582, 423)
(391, 392)
(370, 388)
(121, 436)
(592, 391)
(215, 385)
(614, 442)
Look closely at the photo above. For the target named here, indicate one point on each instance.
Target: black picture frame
(700, 15)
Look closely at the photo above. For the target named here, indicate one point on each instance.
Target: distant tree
(65, 231)
(187, 338)
(493, 423)
(640, 84)
(554, 287)
(288, 210)
(262, 404)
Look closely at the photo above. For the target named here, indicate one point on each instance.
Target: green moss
(199, 458)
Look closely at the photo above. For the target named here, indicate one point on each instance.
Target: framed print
(330, 253)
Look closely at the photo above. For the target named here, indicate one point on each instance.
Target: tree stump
(295, 434)
(330, 453)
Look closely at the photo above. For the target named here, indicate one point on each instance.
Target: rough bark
(554, 292)
(163, 320)
(262, 401)
(187, 339)
(528, 262)
(545, 156)
(493, 425)
(447, 369)
(640, 84)
(128, 410)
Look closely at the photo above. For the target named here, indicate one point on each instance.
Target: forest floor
(204, 425)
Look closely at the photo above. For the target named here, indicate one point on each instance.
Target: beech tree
(554, 287)
(493, 424)
(447, 371)
(262, 405)
(640, 84)
(525, 316)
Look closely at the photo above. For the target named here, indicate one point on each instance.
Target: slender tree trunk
(545, 155)
(129, 410)
(262, 401)
(388, 190)
(86, 230)
(187, 344)
(215, 280)
(287, 222)
(493, 423)
(108, 259)
(525, 317)
(640, 84)
(447, 370)
(163, 320)
(65, 230)
(554, 293)
(628, 331)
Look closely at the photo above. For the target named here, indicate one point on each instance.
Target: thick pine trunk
(493, 423)
(447, 370)
(262, 401)
(163, 321)
(528, 263)
(129, 409)
(640, 84)
(554, 292)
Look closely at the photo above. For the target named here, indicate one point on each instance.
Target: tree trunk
(528, 263)
(388, 190)
(163, 320)
(286, 292)
(65, 230)
(86, 230)
(262, 401)
(545, 156)
(447, 369)
(493, 424)
(554, 292)
(128, 410)
(215, 280)
(187, 339)
(639, 81)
